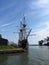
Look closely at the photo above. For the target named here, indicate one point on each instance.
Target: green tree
(0, 36)
(48, 41)
(41, 42)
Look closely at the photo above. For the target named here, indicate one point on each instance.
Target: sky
(37, 18)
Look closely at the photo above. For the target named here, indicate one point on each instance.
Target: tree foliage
(0, 36)
(41, 42)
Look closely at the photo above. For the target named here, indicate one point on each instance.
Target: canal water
(36, 55)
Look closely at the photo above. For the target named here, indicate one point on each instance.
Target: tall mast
(24, 21)
(21, 32)
(24, 26)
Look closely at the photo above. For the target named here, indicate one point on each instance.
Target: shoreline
(9, 51)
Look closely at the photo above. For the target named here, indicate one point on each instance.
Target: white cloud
(7, 24)
(45, 12)
(43, 25)
(41, 33)
(39, 7)
(40, 3)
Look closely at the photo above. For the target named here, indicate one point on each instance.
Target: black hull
(23, 44)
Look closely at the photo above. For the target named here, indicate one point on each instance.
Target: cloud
(44, 12)
(4, 26)
(43, 25)
(43, 32)
(40, 3)
(39, 8)
(7, 24)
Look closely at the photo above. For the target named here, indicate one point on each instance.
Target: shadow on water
(3, 59)
(45, 47)
(14, 59)
(24, 59)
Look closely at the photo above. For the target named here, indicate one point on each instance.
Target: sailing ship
(23, 35)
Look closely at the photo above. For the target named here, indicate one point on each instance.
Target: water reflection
(48, 47)
(14, 59)
(24, 59)
(36, 56)
(3, 59)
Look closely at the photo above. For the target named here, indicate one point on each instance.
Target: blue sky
(11, 13)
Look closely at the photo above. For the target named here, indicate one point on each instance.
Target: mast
(24, 27)
(23, 36)
(21, 32)
(28, 33)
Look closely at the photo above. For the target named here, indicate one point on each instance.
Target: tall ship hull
(23, 44)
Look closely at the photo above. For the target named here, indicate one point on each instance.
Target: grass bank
(10, 49)
(7, 47)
